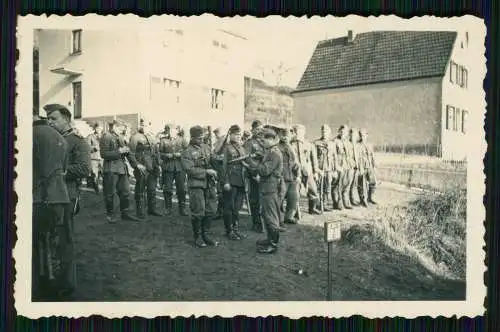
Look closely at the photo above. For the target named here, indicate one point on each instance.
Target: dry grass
(432, 228)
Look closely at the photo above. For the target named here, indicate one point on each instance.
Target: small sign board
(332, 231)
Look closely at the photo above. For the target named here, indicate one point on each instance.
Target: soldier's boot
(152, 205)
(205, 232)
(229, 227)
(125, 211)
(257, 226)
(182, 208)
(272, 246)
(198, 239)
(140, 210)
(236, 229)
(337, 200)
(312, 207)
(109, 202)
(371, 193)
(345, 200)
(168, 202)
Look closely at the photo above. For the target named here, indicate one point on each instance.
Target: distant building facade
(409, 89)
(267, 103)
(170, 75)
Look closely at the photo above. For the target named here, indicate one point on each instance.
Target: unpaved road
(156, 261)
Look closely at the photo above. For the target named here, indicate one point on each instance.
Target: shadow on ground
(156, 261)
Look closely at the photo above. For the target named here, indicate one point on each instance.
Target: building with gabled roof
(409, 89)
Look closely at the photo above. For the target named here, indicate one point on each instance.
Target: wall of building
(397, 113)
(194, 62)
(459, 98)
(108, 62)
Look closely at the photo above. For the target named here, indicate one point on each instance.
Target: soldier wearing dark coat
(171, 147)
(50, 197)
(115, 153)
(326, 159)
(233, 178)
(144, 148)
(254, 147)
(291, 176)
(269, 171)
(78, 168)
(197, 160)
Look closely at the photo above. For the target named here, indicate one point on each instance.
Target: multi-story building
(269, 104)
(179, 76)
(410, 89)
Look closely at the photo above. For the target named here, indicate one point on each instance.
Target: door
(77, 100)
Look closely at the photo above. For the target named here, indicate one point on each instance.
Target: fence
(431, 150)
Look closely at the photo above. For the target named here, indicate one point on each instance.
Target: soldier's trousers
(168, 187)
(347, 185)
(146, 184)
(203, 205)
(312, 190)
(327, 185)
(255, 205)
(270, 204)
(52, 261)
(340, 188)
(353, 187)
(366, 180)
(291, 197)
(233, 201)
(119, 184)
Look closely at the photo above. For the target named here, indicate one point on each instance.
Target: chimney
(349, 37)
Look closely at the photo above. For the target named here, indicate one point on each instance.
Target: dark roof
(375, 57)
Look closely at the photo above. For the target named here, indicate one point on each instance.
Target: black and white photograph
(250, 166)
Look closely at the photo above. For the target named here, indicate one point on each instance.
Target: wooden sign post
(332, 234)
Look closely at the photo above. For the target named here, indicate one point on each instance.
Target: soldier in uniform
(255, 149)
(95, 157)
(77, 169)
(246, 136)
(233, 181)
(218, 146)
(270, 172)
(326, 159)
(50, 198)
(310, 173)
(115, 153)
(291, 172)
(353, 166)
(340, 181)
(145, 150)
(171, 147)
(197, 161)
(367, 180)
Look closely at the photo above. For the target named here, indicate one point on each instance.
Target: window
(172, 90)
(464, 121)
(77, 100)
(76, 42)
(452, 70)
(449, 116)
(216, 101)
(456, 119)
(464, 77)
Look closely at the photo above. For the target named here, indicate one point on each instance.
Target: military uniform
(352, 172)
(254, 147)
(366, 180)
(270, 171)
(219, 160)
(234, 176)
(145, 150)
(172, 170)
(95, 161)
(78, 169)
(290, 190)
(340, 181)
(50, 197)
(326, 159)
(197, 160)
(307, 159)
(115, 173)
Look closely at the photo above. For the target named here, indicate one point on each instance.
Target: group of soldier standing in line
(268, 168)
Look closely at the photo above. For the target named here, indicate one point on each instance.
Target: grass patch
(431, 228)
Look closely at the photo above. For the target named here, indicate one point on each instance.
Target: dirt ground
(156, 261)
